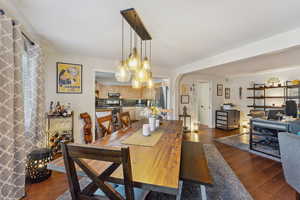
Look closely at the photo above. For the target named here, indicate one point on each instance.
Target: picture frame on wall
(227, 93)
(68, 78)
(185, 99)
(219, 89)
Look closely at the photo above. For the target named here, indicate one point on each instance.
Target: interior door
(203, 103)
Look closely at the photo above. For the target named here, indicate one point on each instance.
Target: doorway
(203, 103)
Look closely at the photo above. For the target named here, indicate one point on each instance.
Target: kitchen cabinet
(134, 112)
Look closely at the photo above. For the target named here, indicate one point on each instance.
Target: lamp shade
(146, 64)
(136, 84)
(134, 60)
(123, 74)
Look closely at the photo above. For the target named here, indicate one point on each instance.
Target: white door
(203, 103)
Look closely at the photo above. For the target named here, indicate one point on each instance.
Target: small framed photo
(219, 89)
(68, 78)
(185, 99)
(227, 93)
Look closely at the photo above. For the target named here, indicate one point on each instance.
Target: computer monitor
(291, 108)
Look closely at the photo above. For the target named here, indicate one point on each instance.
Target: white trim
(203, 192)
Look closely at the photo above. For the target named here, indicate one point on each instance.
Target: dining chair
(105, 123)
(289, 146)
(125, 119)
(99, 188)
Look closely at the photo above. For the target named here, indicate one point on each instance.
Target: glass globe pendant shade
(123, 74)
(134, 60)
(146, 64)
(142, 75)
(150, 83)
(136, 83)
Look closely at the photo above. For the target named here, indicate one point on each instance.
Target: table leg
(203, 192)
(178, 196)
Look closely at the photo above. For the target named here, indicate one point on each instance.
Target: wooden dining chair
(74, 153)
(105, 123)
(125, 119)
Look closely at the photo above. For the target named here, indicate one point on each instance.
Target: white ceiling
(284, 59)
(182, 31)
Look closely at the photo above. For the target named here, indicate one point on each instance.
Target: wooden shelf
(267, 97)
(255, 106)
(266, 87)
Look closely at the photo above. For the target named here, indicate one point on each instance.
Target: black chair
(291, 108)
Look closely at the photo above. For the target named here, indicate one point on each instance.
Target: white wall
(84, 102)
(215, 101)
(247, 81)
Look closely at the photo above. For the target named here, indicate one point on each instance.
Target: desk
(154, 168)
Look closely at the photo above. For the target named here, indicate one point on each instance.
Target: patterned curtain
(34, 96)
(12, 145)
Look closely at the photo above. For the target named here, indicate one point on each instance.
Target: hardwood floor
(262, 177)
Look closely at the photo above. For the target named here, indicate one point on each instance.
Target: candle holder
(36, 166)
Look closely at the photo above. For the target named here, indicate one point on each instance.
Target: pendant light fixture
(134, 58)
(142, 74)
(146, 62)
(136, 84)
(123, 74)
(138, 64)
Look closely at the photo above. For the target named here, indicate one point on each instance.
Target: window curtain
(34, 96)
(12, 140)
(22, 115)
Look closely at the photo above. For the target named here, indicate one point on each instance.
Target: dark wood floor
(262, 177)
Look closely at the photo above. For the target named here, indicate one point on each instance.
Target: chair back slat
(105, 123)
(94, 153)
(125, 119)
(118, 156)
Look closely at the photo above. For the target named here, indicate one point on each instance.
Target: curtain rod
(2, 12)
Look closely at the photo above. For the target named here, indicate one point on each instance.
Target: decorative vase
(146, 130)
(157, 123)
(152, 125)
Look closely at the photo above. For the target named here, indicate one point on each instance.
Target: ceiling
(182, 31)
(284, 59)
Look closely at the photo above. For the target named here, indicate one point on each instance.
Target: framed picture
(227, 93)
(185, 99)
(219, 90)
(68, 78)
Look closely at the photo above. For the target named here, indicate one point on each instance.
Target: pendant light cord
(150, 56)
(122, 39)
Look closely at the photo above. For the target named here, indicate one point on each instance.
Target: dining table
(155, 168)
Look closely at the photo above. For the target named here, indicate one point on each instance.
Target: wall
(215, 101)
(84, 102)
(247, 81)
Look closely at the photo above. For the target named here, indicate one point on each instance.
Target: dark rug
(241, 141)
(226, 184)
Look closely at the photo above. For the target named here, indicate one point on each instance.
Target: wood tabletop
(155, 168)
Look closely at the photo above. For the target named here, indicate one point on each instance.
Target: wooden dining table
(155, 168)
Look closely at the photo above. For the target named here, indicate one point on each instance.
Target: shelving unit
(262, 96)
(295, 90)
(60, 129)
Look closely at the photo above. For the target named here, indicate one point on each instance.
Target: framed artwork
(68, 78)
(185, 99)
(219, 89)
(227, 93)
